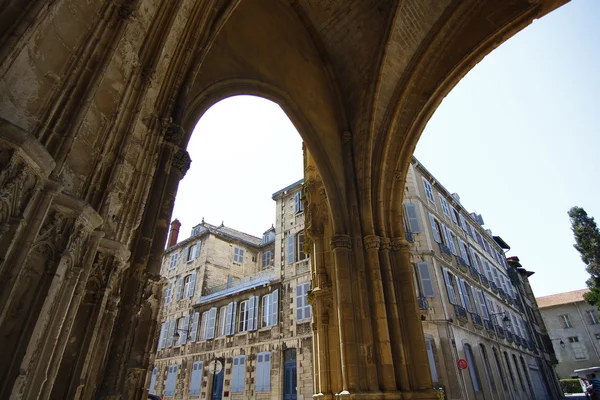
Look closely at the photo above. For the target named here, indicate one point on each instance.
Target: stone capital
(372, 242)
(181, 162)
(386, 243)
(341, 241)
(174, 134)
(400, 244)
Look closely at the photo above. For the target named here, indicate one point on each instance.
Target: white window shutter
(163, 335)
(461, 293)
(212, 317)
(474, 260)
(453, 213)
(449, 287)
(171, 332)
(466, 288)
(186, 252)
(290, 248)
(275, 306)
(198, 248)
(253, 313)
(431, 358)
(186, 326)
(194, 331)
(232, 318)
(192, 286)
(413, 219)
(178, 289)
(169, 293)
(434, 229)
(425, 277)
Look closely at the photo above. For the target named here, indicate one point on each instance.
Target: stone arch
(232, 87)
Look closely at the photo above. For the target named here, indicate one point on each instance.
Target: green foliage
(587, 243)
(571, 386)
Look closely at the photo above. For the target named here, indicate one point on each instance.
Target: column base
(394, 395)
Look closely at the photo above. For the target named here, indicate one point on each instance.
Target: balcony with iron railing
(509, 336)
(477, 321)
(461, 262)
(489, 326)
(423, 304)
(500, 331)
(502, 294)
(473, 272)
(493, 287)
(484, 280)
(445, 249)
(460, 312)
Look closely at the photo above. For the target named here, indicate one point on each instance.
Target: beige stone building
(574, 331)
(236, 321)
(473, 303)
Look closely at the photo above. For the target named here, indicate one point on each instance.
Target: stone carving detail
(372, 242)
(174, 134)
(181, 162)
(386, 243)
(400, 244)
(17, 184)
(341, 241)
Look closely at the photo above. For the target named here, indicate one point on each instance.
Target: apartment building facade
(236, 322)
(473, 313)
(249, 319)
(574, 331)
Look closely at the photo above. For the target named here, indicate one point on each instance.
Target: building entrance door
(216, 368)
(290, 379)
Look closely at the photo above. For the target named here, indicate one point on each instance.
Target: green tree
(587, 243)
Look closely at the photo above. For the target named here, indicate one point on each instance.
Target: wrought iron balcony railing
(494, 287)
(460, 312)
(517, 340)
(445, 249)
(423, 304)
(509, 336)
(477, 321)
(489, 326)
(484, 280)
(461, 262)
(500, 331)
(409, 237)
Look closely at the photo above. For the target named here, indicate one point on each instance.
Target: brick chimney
(173, 233)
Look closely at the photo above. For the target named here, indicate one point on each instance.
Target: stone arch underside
(97, 102)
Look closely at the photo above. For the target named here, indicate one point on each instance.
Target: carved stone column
(414, 341)
(384, 363)
(341, 246)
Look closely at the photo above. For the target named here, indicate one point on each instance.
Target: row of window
(459, 220)
(190, 253)
(246, 319)
(591, 316)
(520, 368)
(238, 373)
(467, 254)
(187, 283)
(475, 301)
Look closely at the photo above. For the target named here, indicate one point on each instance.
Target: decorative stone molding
(372, 242)
(341, 241)
(27, 147)
(386, 243)
(174, 134)
(181, 162)
(400, 244)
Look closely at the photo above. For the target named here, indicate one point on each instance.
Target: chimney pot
(173, 233)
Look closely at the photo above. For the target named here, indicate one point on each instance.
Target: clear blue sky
(518, 139)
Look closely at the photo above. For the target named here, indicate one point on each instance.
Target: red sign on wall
(463, 364)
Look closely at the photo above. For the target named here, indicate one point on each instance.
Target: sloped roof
(561, 298)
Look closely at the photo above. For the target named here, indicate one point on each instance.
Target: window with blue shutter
(298, 206)
(164, 330)
(196, 380)
(230, 319)
(174, 259)
(449, 287)
(253, 313)
(212, 317)
(171, 380)
(153, 380)
(238, 374)
(270, 309)
(263, 372)
(303, 309)
(266, 259)
(194, 332)
(238, 255)
(427, 289)
(290, 248)
(428, 191)
(171, 332)
(412, 218)
(178, 289)
(169, 293)
(435, 229)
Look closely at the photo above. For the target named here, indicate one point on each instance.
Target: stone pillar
(384, 362)
(414, 341)
(342, 250)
